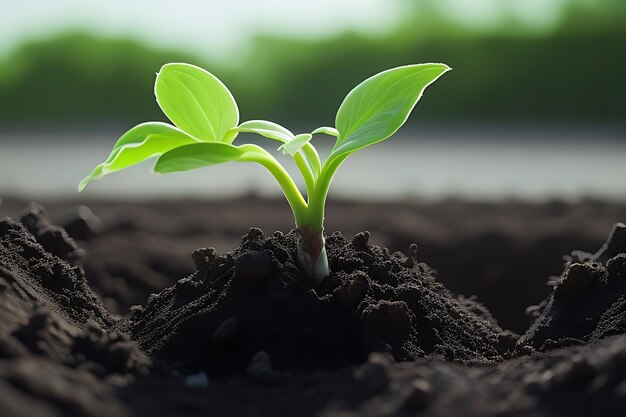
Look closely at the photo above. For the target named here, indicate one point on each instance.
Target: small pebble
(352, 290)
(260, 370)
(598, 384)
(253, 266)
(532, 311)
(225, 333)
(387, 321)
(199, 380)
(254, 235)
(203, 256)
(373, 376)
(361, 241)
(419, 395)
(620, 390)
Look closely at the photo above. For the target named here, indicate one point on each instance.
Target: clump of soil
(47, 309)
(588, 301)
(254, 299)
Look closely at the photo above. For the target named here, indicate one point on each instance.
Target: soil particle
(261, 371)
(361, 241)
(53, 238)
(253, 266)
(389, 321)
(418, 395)
(199, 380)
(374, 376)
(203, 256)
(225, 333)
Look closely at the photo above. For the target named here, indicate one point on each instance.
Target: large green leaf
(138, 144)
(203, 154)
(198, 155)
(196, 101)
(379, 106)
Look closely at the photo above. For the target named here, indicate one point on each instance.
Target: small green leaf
(138, 144)
(197, 155)
(276, 132)
(330, 131)
(264, 128)
(294, 145)
(196, 101)
(379, 106)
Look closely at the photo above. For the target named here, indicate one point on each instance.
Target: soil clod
(588, 301)
(225, 333)
(260, 370)
(253, 266)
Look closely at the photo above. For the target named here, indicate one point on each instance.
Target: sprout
(206, 122)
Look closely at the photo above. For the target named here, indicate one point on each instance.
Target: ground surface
(242, 334)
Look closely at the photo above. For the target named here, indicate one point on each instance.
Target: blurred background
(534, 108)
(511, 160)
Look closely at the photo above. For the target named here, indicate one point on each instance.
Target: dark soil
(482, 249)
(243, 333)
(255, 299)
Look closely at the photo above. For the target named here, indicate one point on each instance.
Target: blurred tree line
(573, 72)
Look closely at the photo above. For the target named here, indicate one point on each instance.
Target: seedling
(206, 122)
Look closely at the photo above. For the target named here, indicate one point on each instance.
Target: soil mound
(46, 307)
(254, 302)
(588, 301)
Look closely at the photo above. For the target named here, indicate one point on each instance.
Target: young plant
(205, 121)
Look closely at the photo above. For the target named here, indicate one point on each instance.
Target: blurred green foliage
(571, 73)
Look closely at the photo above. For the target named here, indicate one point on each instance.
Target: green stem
(311, 251)
(309, 179)
(290, 190)
(314, 159)
(317, 201)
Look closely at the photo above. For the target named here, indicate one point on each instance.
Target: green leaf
(379, 106)
(203, 154)
(276, 132)
(330, 131)
(138, 144)
(294, 145)
(267, 129)
(198, 155)
(196, 101)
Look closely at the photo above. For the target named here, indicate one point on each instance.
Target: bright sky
(212, 26)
